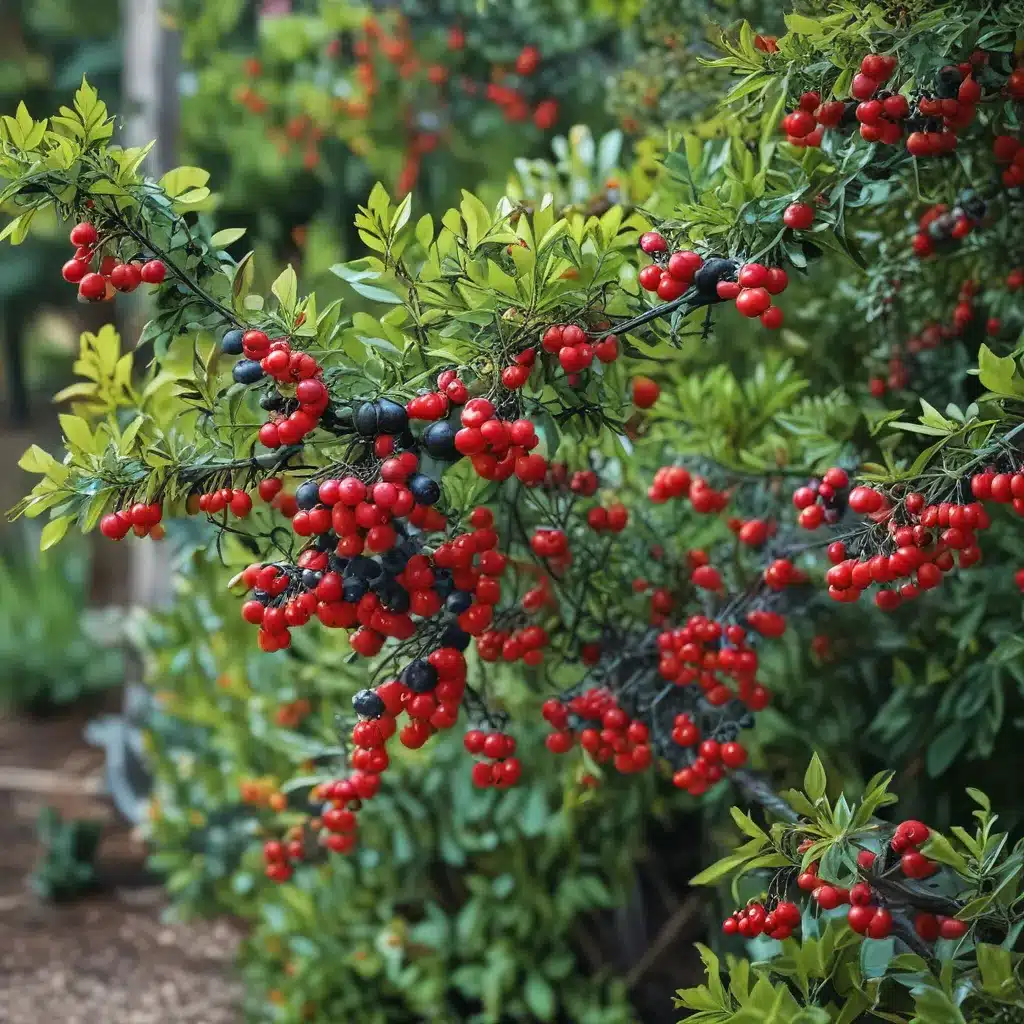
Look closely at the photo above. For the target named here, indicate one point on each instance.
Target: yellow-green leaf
(54, 530)
(77, 432)
(285, 288)
(181, 179)
(225, 237)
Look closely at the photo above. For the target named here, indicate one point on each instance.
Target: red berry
(753, 302)
(74, 270)
(93, 287)
(153, 271)
(798, 216)
(653, 241)
(865, 500)
(649, 278)
(863, 86)
(84, 234)
(645, 392)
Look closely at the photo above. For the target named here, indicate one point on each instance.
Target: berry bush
(697, 485)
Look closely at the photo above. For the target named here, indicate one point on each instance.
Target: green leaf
(425, 230)
(802, 25)
(77, 432)
(814, 779)
(356, 274)
(999, 373)
(996, 967)
(54, 530)
(286, 289)
(180, 180)
(37, 460)
(939, 848)
(225, 237)
(719, 870)
(17, 229)
(539, 996)
(401, 215)
(747, 825)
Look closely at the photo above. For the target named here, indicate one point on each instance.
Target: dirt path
(109, 959)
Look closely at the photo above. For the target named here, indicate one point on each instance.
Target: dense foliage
(637, 496)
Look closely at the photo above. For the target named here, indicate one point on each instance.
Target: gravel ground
(114, 963)
(108, 959)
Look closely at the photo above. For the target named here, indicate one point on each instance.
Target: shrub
(637, 497)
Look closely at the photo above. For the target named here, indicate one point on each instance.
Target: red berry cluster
(141, 519)
(111, 275)
(501, 769)
(516, 375)
(236, 501)
(602, 728)
(918, 557)
(938, 226)
(526, 645)
(692, 654)
(751, 532)
(499, 448)
(612, 519)
(778, 923)
(782, 573)
(575, 349)
(821, 502)
(711, 760)
(909, 835)
(1010, 151)
(288, 597)
(756, 284)
(276, 856)
(548, 542)
(672, 280)
(277, 359)
(675, 481)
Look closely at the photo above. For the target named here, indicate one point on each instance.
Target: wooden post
(151, 70)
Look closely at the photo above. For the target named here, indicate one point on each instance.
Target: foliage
(832, 973)
(646, 539)
(464, 906)
(67, 869)
(52, 648)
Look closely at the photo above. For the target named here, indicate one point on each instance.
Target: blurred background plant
(54, 649)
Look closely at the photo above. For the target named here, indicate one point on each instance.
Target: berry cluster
(708, 764)
(611, 520)
(141, 519)
(236, 501)
(919, 556)
(782, 573)
(672, 280)
(675, 481)
(111, 274)
(299, 402)
(602, 728)
(277, 855)
(940, 228)
(822, 501)
(1009, 151)
(694, 654)
(525, 645)
(756, 284)
(778, 923)
(377, 595)
(884, 116)
(575, 349)
(496, 447)
(501, 769)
